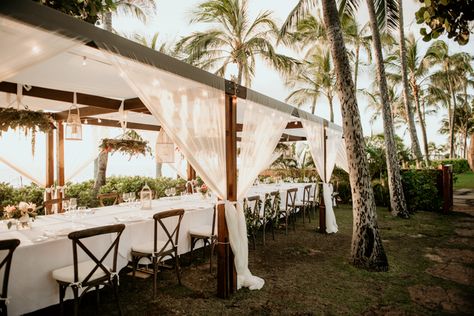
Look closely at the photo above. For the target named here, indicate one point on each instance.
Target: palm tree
(234, 39)
(139, 9)
(383, 15)
(415, 144)
(356, 36)
(316, 78)
(367, 250)
(453, 70)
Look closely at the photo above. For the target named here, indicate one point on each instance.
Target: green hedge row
(83, 190)
(459, 165)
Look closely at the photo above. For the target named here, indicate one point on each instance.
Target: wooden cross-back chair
(208, 235)
(157, 250)
(289, 211)
(48, 205)
(92, 273)
(305, 204)
(271, 215)
(8, 245)
(254, 218)
(114, 197)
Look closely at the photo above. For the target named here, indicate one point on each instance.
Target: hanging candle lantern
(145, 198)
(288, 151)
(164, 148)
(73, 122)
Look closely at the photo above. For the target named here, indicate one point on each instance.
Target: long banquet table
(45, 246)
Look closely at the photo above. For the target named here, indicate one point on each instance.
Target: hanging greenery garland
(27, 120)
(129, 143)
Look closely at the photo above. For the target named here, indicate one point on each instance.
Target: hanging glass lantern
(288, 151)
(146, 196)
(73, 123)
(164, 148)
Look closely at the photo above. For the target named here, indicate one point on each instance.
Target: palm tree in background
(137, 8)
(234, 39)
(383, 15)
(315, 78)
(367, 249)
(451, 76)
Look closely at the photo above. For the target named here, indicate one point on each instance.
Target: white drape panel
(315, 137)
(192, 114)
(262, 129)
(341, 158)
(24, 46)
(15, 152)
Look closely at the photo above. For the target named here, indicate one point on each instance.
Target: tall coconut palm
(234, 39)
(139, 9)
(383, 15)
(453, 70)
(367, 249)
(314, 79)
(415, 144)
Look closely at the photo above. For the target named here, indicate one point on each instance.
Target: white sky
(172, 22)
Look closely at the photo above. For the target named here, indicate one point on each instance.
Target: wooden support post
(60, 178)
(190, 172)
(322, 206)
(447, 188)
(49, 164)
(226, 275)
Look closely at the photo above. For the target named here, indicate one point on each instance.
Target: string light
(84, 61)
(86, 122)
(99, 120)
(35, 49)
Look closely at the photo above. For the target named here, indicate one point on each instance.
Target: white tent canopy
(188, 102)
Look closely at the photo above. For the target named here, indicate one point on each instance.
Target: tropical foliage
(129, 143)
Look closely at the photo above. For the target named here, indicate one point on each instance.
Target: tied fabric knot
(5, 299)
(115, 275)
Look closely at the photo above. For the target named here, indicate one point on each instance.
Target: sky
(172, 22)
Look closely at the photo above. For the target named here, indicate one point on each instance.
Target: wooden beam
(226, 275)
(60, 154)
(49, 165)
(290, 125)
(113, 123)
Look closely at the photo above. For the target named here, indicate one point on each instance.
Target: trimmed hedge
(459, 165)
(421, 190)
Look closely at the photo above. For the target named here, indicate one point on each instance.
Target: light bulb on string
(84, 61)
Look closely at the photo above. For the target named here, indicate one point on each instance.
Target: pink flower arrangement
(23, 211)
(204, 189)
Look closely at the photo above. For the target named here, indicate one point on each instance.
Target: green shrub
(83, 193)
(420, 189)
(6, 194)
(381, 194)
(30, 193)
(459, 165)
(344, 192)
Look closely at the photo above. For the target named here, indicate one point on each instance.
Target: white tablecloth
(262, 189)
(31, 285)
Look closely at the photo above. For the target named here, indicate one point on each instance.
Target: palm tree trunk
(470, 154)
(331, 109)
(108, 21)
(397, 198)
(239, 76)
(421, 117)
(367, 250)
(415, 144)
(356, 67)
(313, 106)
(451, 127)
(101, 171)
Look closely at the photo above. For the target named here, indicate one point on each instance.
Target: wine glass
(66, 205)
(125, 197)
(173, 191)
(72, 204)
(167, 192)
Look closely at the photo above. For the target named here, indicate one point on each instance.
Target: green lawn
(464, 181)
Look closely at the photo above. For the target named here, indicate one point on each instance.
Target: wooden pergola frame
(48, 19)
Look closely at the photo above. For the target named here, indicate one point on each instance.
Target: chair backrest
(77, 238)
(306, 193)
(113, 196)
(291, 198)
(190, 187)
(49, 203)
(10, 246)
(172, 235)
(253, 202)
(316, 192)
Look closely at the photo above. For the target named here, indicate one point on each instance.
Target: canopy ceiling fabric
(24, 46)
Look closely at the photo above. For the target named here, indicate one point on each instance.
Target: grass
(305, 273)
(464, 180)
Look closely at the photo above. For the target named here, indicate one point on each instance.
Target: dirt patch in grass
(307, 273)
(435, 298)
(454, 272)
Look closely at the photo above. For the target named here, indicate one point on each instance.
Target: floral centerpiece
(21, 213)
(203, 189)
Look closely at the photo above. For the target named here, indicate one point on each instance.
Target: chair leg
(177, 267)
(97, 297)
(75, 291)
(264, 226)
(213, 245)
(155, 266)
(253, 241)
(115, 285)
(286, 223)
(62, 293)
(273, 228)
